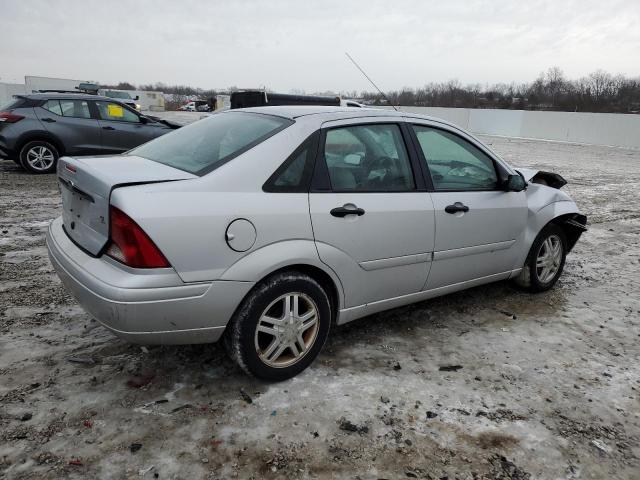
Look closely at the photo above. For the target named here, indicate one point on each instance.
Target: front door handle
(108, 128)
(344, 211)
(48, 120)
(456, 207)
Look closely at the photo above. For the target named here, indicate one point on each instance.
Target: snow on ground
(547, 386)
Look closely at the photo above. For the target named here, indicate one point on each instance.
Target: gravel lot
(490, 383)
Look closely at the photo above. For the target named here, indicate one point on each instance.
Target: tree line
(599, 91)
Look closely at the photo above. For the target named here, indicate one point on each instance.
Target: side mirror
(515, 183)
(137, 97)
(144, 119)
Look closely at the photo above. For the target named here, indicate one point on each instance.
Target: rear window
(15, 103)
(206, 144)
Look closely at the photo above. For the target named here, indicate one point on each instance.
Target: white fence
(614, 129)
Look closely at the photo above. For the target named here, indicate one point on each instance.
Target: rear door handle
(108, 128)
(456, 207)
(48, 120)
(344, 211)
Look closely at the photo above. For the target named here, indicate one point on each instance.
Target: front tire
(280, 328)
(545, 261)
(39, 156)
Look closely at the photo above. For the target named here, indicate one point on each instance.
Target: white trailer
(8, 90)
(149, 101)
(34, 84)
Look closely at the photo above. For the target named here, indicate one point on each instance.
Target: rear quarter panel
(15, 135)
(188, 219)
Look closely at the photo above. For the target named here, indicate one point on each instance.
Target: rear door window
(53, 106)
(68, 108)
(294, 175)
(368, 158)
(75, 108)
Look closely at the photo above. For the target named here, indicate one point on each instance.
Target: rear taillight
(130, 245)
(8, 117)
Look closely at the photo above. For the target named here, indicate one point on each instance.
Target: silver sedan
(266, 226)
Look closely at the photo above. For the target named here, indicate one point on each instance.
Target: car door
(478, 223)
(372, 218)
(70, 121)
(122, 128)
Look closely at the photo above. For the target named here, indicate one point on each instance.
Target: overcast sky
(286, 44)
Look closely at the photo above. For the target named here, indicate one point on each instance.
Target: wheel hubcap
(549, 258)
(287, 330)
(40, 158)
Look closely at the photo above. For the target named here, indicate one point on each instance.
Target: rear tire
(39, 156)
(280, 327)
(545, 261)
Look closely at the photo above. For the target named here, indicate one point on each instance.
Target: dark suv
(37, 129)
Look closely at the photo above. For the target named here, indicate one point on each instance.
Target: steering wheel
(391, 174)
(382, 162)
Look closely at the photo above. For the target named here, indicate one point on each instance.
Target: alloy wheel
(287, 330)
(549, 258)
(40, 158)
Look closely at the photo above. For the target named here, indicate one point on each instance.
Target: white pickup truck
(122, 97)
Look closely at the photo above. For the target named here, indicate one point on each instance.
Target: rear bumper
(144, 306)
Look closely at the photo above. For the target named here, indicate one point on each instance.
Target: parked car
(351, 103)
(36, 129)
(196, 106)
(265, 226)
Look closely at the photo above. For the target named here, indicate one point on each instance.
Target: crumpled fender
(539, 215)
(546, 202)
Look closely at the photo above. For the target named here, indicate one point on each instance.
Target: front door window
(454, 163)
(116, 112)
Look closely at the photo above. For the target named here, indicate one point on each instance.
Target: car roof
(329, 113)
(75, 96)
(296, 111)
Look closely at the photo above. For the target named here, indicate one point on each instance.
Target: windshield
(206, 144)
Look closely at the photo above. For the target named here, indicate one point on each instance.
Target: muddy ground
(490, 383)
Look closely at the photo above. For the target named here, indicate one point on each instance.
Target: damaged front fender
(574, 225)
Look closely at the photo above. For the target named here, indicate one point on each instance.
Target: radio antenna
(371, 81)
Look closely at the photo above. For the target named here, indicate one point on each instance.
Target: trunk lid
(86, 184)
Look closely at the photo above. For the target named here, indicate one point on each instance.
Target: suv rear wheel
(280, 327)
(39, 156)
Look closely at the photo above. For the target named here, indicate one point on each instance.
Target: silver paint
(404, 249)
